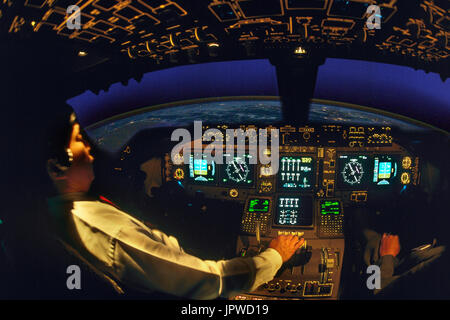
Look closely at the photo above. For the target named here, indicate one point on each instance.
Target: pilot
(126, 249)
(403, 274)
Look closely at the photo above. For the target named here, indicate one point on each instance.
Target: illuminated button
(179, 174)
(406, 163)
(233, 193)
(361, 197)
(325, 290)
(316, 289)
(405, 178)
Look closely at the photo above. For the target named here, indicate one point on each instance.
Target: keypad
(331, 226)
(249, 222)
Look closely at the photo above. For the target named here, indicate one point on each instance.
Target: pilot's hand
(390, 245)
(286, 245)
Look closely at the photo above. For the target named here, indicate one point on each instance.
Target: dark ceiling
(124, 39)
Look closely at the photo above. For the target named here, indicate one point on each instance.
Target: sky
(397, 89)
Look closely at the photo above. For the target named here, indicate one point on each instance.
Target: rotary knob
(306, 135)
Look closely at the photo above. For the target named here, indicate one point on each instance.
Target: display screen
(201, 170)
(258, 205)
(384, 170)
(296, 173)
(294, 211)
(237, 170)
(354, 170)
(331, 207)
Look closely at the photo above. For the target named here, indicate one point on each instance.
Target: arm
(143, 262)
(386, 264)
(389, 249)
(409, 280)
(150, 260)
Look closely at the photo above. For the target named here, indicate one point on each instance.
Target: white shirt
(148, 259)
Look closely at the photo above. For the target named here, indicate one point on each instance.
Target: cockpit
(234, 200)
(229, 123)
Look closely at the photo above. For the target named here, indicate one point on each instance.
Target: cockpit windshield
(114, 133)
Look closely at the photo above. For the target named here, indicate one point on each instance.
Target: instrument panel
(321, 170)
(322, 162)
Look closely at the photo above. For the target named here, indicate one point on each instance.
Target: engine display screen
(296, 173)
(330, 207)
(258, 205)
(354, 170)
(384, 170)
(294, 212)
(237, 170)
(201, 170)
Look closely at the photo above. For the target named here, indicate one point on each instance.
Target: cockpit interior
(313, 118)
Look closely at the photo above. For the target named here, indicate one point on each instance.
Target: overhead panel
(162, 29)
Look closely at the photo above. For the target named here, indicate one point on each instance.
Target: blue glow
(388, 87)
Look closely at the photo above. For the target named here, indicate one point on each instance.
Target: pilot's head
(69, 161)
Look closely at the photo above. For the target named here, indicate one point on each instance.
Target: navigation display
(201, 170)
(354, 170)
(296, 173)
(384, 170)
(237, 170)
(294, 212)
(258, 205)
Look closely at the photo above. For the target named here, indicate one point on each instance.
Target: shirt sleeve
(418, 262)
(151, 265)
(387, 266)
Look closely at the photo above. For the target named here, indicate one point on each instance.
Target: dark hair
(58, 131)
